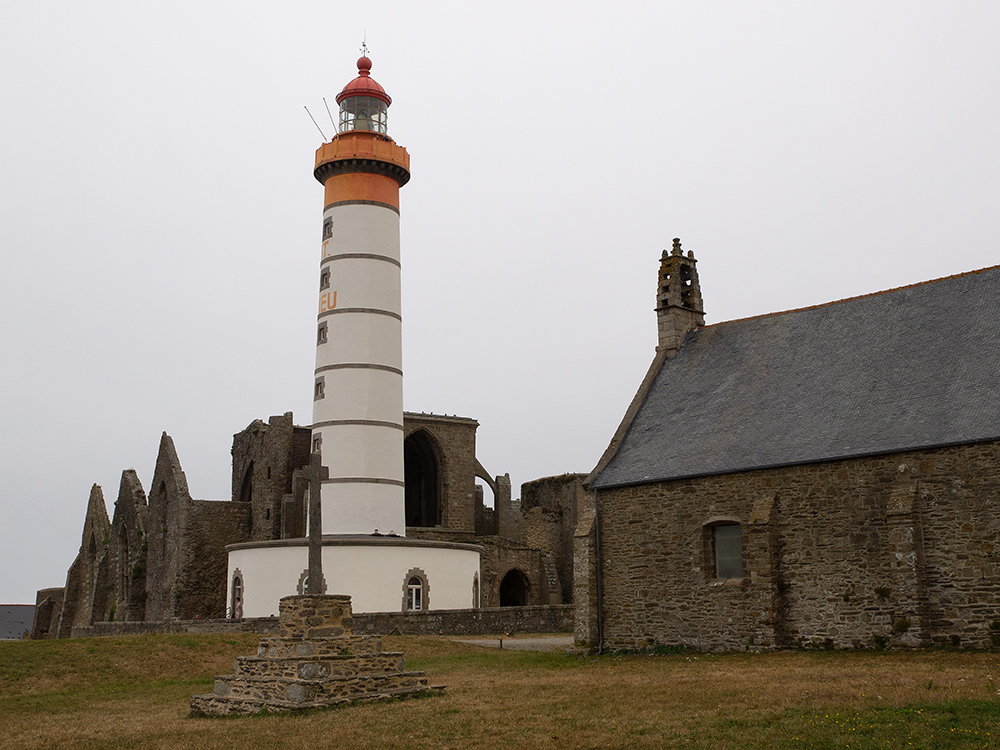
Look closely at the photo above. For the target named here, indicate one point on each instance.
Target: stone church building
(163, 556)
(824, 477)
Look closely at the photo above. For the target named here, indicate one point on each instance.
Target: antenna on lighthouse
(332, 122)
(316, 123)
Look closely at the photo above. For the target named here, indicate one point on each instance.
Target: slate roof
(910, 368)
(15, 619)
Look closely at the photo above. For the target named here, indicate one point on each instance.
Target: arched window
(414, 594)
(421, 480)
(416, 591)
(236, 604)
(124, 572)
(303, 585)
(246, 488)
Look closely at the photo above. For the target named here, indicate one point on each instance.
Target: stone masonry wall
(550, 508)
(901, 549)
(211, 525)
(265, 455)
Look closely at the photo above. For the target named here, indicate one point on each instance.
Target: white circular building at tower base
(379, 573)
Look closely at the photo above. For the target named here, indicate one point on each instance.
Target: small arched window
(416, 591)
(236, 600)
(414, 594)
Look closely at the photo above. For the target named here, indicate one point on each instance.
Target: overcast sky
(161, 224)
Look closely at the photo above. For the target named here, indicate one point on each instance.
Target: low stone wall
(541, 619)
(262, 625)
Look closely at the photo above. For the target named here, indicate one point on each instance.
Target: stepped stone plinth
(314, 662)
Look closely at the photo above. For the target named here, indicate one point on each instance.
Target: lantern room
(363, 103)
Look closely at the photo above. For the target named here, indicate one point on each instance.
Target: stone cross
(317, 473)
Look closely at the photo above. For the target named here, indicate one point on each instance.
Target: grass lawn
(132, 692)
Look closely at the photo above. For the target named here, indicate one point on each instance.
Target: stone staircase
(314, 662)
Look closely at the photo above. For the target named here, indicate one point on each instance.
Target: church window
(727, 543)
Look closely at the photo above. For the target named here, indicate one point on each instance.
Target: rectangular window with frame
(728, 543)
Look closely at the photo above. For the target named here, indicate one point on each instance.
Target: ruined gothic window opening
(124, 573)
(422, 480)
(246, 488)
(416, 591)
(727, 546)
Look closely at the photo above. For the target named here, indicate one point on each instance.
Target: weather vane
(364, 44)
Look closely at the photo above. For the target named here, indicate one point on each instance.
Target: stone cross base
(314, 662)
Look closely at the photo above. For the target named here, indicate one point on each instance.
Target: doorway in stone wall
(514, 589)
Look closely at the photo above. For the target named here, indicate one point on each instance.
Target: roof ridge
(851, 299)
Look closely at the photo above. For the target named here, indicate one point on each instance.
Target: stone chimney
(679, 308)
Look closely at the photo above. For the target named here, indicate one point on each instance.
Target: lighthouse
(358, 390)
(357, 419)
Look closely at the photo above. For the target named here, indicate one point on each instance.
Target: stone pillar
(906, 563)
(585, 631)
(317, 473)
(508, 517)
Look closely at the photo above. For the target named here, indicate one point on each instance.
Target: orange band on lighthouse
(361, 186)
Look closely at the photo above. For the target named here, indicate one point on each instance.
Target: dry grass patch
(133, 692)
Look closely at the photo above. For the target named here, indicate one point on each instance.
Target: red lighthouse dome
(364, 84)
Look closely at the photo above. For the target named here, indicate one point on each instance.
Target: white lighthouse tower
(358, 396)
(358, 392)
